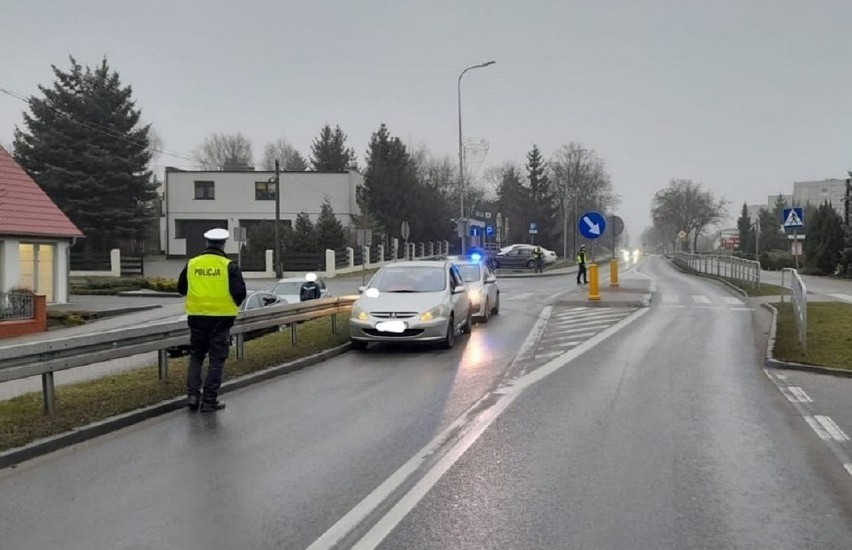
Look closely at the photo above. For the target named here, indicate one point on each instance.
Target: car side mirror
(459, 289)
(361, 289)
(491, 279)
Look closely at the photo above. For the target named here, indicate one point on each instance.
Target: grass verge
(829, 335)
(22, 419)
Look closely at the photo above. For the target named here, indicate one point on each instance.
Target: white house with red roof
(35, 235)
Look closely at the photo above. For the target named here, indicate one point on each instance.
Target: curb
(105, 313)
(771, 363)
(147, 294)
(530, 275)
(12, 457)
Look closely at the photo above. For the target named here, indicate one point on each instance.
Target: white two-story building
(195, 201)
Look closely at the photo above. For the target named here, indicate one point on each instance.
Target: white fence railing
(727, 267)
(799, 300)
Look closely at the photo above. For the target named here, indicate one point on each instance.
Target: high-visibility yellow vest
(209, 287)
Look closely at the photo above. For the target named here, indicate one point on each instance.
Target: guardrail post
(162, 364)
(294, 333)
(240, 344)
(48, 390)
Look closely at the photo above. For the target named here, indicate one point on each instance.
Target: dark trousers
(581, 272)
(208, 336)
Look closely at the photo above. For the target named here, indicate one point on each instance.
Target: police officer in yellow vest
(214, 289)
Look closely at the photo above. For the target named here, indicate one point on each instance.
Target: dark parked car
(515, 258)
(254, 300)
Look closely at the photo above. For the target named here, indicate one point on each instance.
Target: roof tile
(25, 209)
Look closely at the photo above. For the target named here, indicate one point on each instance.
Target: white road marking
(848, 468)
(800, 394)
(817, 427)
(833, 429)
(733, 301)
(467, 429)
(698, 299)
(673, 307)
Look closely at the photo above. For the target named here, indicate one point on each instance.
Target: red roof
(25, 209)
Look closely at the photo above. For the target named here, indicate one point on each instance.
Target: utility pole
(278, 269)
(757, 239)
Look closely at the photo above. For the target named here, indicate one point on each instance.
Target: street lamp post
(277, 257)
(462, 225)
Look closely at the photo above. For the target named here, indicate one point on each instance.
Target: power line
(101, 129)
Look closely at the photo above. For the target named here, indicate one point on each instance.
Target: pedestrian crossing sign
(793, 218)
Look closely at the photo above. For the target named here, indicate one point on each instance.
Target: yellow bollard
(594, 292)
(613, 273)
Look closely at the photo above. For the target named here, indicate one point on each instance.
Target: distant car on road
(254, 300)
(482, 287)
(288, 288)
(549, 255)
(421, 301)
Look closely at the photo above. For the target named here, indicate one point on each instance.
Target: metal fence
(51, 355)
(799, 300)
(16, 306)
(727, 267)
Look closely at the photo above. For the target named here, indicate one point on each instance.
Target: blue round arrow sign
(592, 224)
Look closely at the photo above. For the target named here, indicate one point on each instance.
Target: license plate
(397, 327)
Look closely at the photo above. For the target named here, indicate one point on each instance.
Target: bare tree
(684, 206)
(283, 151)
(225, 152)
(581, 183)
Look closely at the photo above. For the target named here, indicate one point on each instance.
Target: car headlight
(473, 294)
(358, 313)
(437, 311)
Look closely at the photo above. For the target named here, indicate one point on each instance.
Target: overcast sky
(744, 97)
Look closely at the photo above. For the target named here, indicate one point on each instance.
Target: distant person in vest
(581, 265)
(214, 289)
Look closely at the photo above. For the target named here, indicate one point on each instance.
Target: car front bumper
(416, 330)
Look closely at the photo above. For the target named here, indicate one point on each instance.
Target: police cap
(217, 234)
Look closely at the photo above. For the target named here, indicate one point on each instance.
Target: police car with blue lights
(481, 284)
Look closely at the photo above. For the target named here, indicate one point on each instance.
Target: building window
(180, 229)
(204, 190)
(264, 191)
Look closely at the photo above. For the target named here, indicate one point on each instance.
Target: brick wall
(11, 329)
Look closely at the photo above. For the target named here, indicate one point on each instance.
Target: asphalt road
(657, 429)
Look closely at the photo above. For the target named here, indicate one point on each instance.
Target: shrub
(776, 260)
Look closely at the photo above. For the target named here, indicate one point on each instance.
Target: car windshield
(469, 272)
(290, 287)
(410, 279)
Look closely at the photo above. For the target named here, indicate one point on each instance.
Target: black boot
(192, 402)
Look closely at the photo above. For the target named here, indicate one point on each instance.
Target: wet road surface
(660, 430)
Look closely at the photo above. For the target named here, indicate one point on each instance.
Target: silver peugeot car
(412, 302)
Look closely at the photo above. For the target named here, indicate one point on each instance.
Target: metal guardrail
(799, 301)
(727, 267)
(49, 356)
(16, 306)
